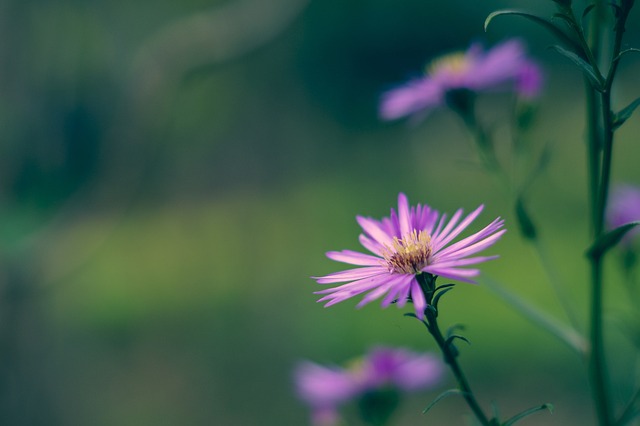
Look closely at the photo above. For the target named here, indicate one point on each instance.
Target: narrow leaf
(557, 32)
(609, 240)
(443, 286)
(527, 227)
(451, 338)
(626, 51)
(624, 114)
(587, 10)
(412, 315)
(442, 396)
(437, 297)
(451, 330)
(566, 334)
(594, 76)
(527, 413)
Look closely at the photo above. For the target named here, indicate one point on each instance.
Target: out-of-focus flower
(624, 207)
(505, 66)
(412, 241)
(325, 389)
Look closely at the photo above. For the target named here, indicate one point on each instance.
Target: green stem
(594, 147)
(600, 156)
(597, 363)
(427, 283)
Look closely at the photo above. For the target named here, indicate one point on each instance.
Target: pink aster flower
(325, 389)
(505, 66)
(624, 207)
(411, 241)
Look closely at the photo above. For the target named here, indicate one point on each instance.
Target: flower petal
(419, 302)
(351, 274)
(467, 249)
(354, 258)
(371, 245)
(478, 236)
(375, 230)
(454, 274)
(446, 236)
(404, 217)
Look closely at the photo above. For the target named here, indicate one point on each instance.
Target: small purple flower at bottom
(505, 66)
(623, 208)
(411, 241)
(325, 389)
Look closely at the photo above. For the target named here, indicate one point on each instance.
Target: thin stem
(597, 363)
(553, 278)
(600, 155)
(427, 283)
(594, 147)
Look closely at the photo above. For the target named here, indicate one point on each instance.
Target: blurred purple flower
(411, 241)
(324, 389)
(502, 67)
(624, 207)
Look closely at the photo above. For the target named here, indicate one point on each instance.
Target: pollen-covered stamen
(453, 63)
(409, 254)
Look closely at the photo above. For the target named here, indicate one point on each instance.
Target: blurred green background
(172, 174)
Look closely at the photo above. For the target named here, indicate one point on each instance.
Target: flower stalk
(449, 351)
(600, 159)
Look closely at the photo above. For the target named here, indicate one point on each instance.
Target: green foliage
(609, 240)
(443, 395)
(544, 23)
(515, 419)
(624, 114)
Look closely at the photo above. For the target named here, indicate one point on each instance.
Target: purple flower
(324, 389)
(624, 207)
(411, 241)
(504, 66)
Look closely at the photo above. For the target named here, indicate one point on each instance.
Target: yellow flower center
(454, 63)
(409, 254)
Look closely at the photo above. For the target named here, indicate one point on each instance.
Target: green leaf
(442, 396)
(527, 413)
(587, 10)
(412, 315)
(608, 240)
(451, 330)
(437, 297)
(443, 286)
(527, 227)
(594, 76)
(626, 51)
(557, 32)
(453, 337)
(566, 334)
(624, 114)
